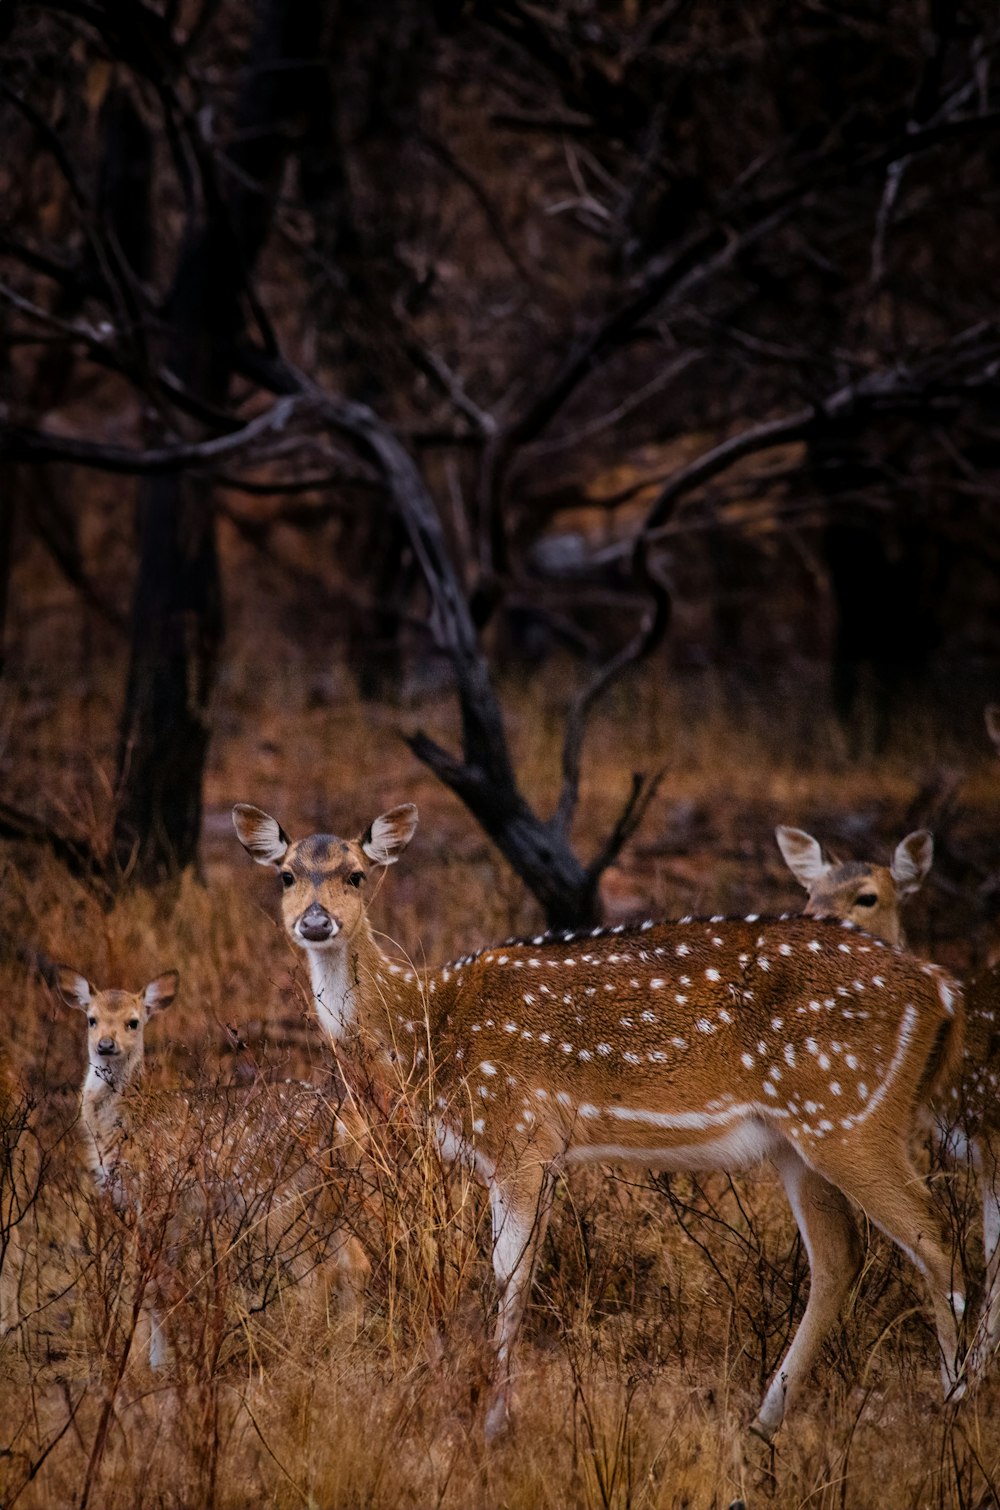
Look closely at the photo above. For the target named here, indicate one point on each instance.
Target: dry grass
(662, 1303)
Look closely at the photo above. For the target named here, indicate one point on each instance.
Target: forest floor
(662, 1304)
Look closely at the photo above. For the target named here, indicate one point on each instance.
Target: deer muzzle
(316, 925)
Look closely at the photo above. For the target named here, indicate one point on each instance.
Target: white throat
(110, 1076)
(334, 990)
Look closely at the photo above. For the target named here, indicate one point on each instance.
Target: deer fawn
(246, 1169)
(687, 1046)
(967, 1123)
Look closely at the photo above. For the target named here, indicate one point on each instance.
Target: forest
(576, 419)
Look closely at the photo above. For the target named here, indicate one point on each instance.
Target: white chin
(317, 943)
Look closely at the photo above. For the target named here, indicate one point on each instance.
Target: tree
(430, 274)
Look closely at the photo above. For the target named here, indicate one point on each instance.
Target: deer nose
(316, 924)
(106, 1046)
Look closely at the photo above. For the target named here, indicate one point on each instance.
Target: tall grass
(662, 1302)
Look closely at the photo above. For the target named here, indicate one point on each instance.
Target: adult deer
(243, 1173)
(966, 1122)
(860, 891)
(687, 1046)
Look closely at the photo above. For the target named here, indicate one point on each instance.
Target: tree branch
(18, 443)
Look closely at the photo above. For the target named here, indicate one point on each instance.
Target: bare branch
(643, 791)
(18, 443)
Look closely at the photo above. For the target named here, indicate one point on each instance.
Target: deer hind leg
(890, 1190)
(520, 1205)
(834, 1248)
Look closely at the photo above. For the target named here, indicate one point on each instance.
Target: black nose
(315, 924)
(106, 1046)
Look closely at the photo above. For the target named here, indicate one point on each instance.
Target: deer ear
(911, 861)
(74, 988)
(991, 714)
(160, 992)
(261, 836)
(387, 836)
(802, 855)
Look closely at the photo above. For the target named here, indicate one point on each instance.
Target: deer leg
(10, 1273)
(159, 1348)
(890, 1190)
(520, 1205)
(987, 1151)
(351, 1272)
(834, 1248)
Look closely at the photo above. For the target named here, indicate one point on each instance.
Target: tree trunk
(176, 638)
(177, 624)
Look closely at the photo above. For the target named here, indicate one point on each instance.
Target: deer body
(245, 1170)
(696, 1046)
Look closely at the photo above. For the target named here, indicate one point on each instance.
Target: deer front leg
(520, 1203)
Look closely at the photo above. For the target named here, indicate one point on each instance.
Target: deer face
(867, 895)
(116, 1020)
(323, 878)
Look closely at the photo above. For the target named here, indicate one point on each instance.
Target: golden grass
(662, 1303)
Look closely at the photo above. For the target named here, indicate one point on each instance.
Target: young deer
(687, 1046)
(245, 1171)
(967, 1122)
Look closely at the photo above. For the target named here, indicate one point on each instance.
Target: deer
(718, 1044)
(869, 895)
(966, 1125)
(249, 1164)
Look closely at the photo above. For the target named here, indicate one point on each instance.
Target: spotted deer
(698, 1045)
(866, 894)
(242, 1172)
(966, 1122)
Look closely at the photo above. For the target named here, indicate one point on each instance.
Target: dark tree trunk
(177, 625)
(7, 477)
(176, 635)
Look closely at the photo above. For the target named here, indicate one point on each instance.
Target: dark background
(501, 337)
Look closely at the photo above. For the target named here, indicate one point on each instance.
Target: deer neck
(358, 990)
(103, 1113)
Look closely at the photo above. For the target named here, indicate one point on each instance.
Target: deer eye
(868, 899)
(356, 877)
(133, 1024)
(92, 1021)
(287, 879)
